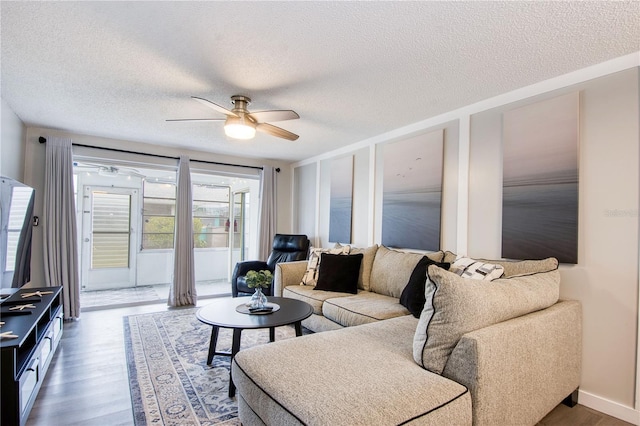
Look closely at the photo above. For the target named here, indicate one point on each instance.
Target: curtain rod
(44, 140)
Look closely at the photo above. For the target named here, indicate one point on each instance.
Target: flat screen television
(16, 212)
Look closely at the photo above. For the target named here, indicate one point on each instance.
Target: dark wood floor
(579, 415)
(87, 382)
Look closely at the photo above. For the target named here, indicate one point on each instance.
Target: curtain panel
(59, 223)
(268, 212)
(183, 288)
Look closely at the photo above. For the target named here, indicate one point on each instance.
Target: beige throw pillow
(310, 276)
(455, 306)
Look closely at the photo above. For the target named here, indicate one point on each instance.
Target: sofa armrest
(288, 273)
(519, 370)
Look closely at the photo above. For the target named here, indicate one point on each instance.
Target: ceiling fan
(242, 124)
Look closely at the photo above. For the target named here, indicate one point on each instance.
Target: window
(158, 215)
(211, 224)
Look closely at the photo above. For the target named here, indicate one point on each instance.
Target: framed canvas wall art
(412, 192)
(341, 200)
(540, 180)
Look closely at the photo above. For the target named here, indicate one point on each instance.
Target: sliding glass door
(126, 226)
(241, 234)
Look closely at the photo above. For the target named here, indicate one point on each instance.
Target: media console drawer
(28, 382)
(24, 360)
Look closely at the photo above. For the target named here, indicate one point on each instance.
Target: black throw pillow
(339, 272)
(412, 296)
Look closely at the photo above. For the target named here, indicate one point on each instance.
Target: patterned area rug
(170, 381)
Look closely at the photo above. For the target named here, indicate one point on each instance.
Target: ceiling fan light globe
(239, 131)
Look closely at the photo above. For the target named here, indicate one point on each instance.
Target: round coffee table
(222, 313)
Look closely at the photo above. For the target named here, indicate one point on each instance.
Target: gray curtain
(183, 290)
(59, 223)
(268, 212)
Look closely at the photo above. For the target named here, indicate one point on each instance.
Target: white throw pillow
(310, 277)
(476, 270)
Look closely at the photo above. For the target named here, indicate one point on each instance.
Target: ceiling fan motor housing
(243, 126)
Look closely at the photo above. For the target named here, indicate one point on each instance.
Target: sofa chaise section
(513, 372)
(361, 375)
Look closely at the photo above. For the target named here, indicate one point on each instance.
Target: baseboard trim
(611, 408)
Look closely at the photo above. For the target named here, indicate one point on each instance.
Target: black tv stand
(24, 360)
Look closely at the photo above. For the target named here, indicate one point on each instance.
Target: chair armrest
(288, 273)
(519, 370)
(242, 268)
(250, 265)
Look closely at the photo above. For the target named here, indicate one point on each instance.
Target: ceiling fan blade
(216, 107)
(197, 119)
(276, 131)
(273, 115)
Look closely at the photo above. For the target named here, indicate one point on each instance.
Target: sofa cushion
(339, 272)
(523, 267)
(317, 379)
(455, 306)
(364, 308)
(476, 270)
(310, 277)
(313, 297)
(412, 296)
(436, 256)
(368, 254)
(391, 271)
(449, 257)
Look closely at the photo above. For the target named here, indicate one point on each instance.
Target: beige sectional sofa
(504, 352)
(383, 275)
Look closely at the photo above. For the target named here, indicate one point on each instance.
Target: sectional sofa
(501, 352)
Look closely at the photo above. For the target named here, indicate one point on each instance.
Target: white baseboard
(611, 408)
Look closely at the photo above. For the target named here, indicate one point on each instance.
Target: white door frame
(111, 278)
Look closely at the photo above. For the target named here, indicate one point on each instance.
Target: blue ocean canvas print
(540, 180)
(412, 192)
(341, 200)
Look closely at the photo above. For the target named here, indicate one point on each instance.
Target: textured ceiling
(352, 70)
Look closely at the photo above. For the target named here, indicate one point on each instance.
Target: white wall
(12, 134)
(304, 216)
(367, 192)
(34, 176)
(606, 278)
